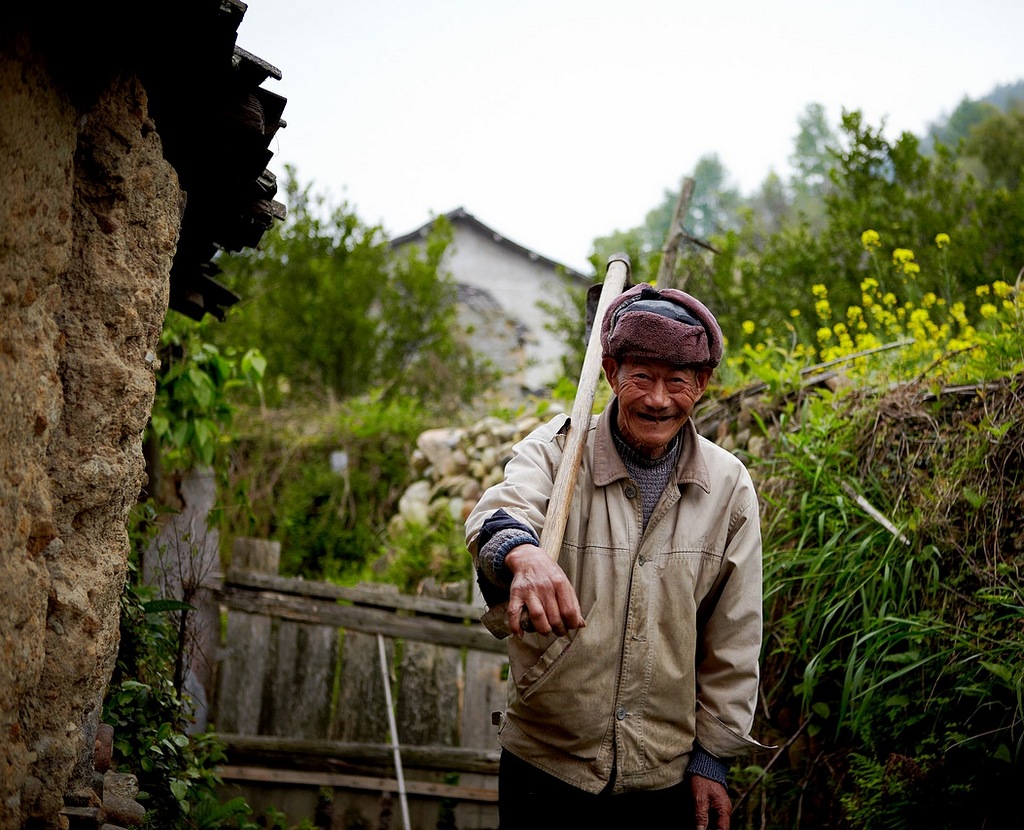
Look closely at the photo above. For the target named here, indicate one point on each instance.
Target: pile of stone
(454, 465)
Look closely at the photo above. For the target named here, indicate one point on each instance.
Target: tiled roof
(461, 216)
(214, 118)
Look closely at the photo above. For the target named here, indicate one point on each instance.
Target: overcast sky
(557, 121)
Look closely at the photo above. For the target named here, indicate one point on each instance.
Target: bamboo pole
(394, 732)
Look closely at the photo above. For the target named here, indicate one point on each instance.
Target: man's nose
(658, 395)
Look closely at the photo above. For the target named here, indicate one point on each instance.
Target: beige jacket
(670, 650)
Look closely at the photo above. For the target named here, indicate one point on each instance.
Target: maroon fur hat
(667, 325)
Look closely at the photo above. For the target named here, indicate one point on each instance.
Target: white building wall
(517, 283)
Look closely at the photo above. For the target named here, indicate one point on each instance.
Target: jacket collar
(691, 468)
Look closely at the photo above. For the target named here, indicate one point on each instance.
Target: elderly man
(636, 684)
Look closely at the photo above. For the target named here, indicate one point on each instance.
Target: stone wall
(90, 218)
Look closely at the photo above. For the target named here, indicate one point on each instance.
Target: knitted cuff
(706, 765)
(491, 557)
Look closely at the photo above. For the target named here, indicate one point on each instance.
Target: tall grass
(893, 662)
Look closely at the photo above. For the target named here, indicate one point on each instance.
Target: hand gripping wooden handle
(615, 281)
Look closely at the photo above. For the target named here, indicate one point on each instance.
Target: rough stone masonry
(90, 219)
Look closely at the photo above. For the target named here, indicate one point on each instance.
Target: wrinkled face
(655, 399)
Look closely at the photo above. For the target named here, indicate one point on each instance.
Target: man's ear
(611, 372)
(702, 377)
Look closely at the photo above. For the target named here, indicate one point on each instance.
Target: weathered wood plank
(358, 618)
(296, 752)
(430, 683)
(486, 692)
(300, 680)
(356, 782)
(362, 715)
(358, 595)
(243, 667)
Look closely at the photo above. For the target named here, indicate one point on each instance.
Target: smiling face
(655, 399)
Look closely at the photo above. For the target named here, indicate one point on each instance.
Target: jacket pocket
(534, 658)
(532, 662)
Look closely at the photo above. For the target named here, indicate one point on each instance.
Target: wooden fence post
(243, 665)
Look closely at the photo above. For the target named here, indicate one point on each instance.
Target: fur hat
(667, 325)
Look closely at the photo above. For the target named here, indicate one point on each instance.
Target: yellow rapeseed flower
(982, 290)
(900, 256)
(988, 311)
(748, 326)
(869, 239)
(794, 312)
(1002, 289)
(819, 290)
(824, 334)
(911, 268)
(941, 239)
(868, 283)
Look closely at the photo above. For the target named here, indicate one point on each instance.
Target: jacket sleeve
(515, 505)
(499, 535)
(729, 625)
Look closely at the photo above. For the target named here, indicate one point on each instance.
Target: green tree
(713, 207)
(813, 159)
(337, 313)
(957, 127)
(998, 143)
(814, 150)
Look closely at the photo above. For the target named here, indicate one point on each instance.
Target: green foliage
(713, 211)
(339, 314)
(324, 483)
(957, 127)
(997, 141)
(894, 653)
(568, 321)
(814, 153)
(792, 236)
(150, 715)
(434, 551)
(643, 254)
(196, 380)
(154, 729)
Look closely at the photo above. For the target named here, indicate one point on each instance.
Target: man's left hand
(710, 800)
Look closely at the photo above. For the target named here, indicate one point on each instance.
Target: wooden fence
(300, 701)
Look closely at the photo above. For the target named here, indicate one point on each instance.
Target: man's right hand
(541, 587)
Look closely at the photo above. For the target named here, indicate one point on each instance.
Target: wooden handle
(579, 420)
(616, 277)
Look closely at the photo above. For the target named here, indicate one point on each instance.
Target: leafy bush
(154, 729)
(151, 716)
(196, 384)
(324, 483)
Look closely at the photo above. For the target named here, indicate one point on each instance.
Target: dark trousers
(530, 798)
